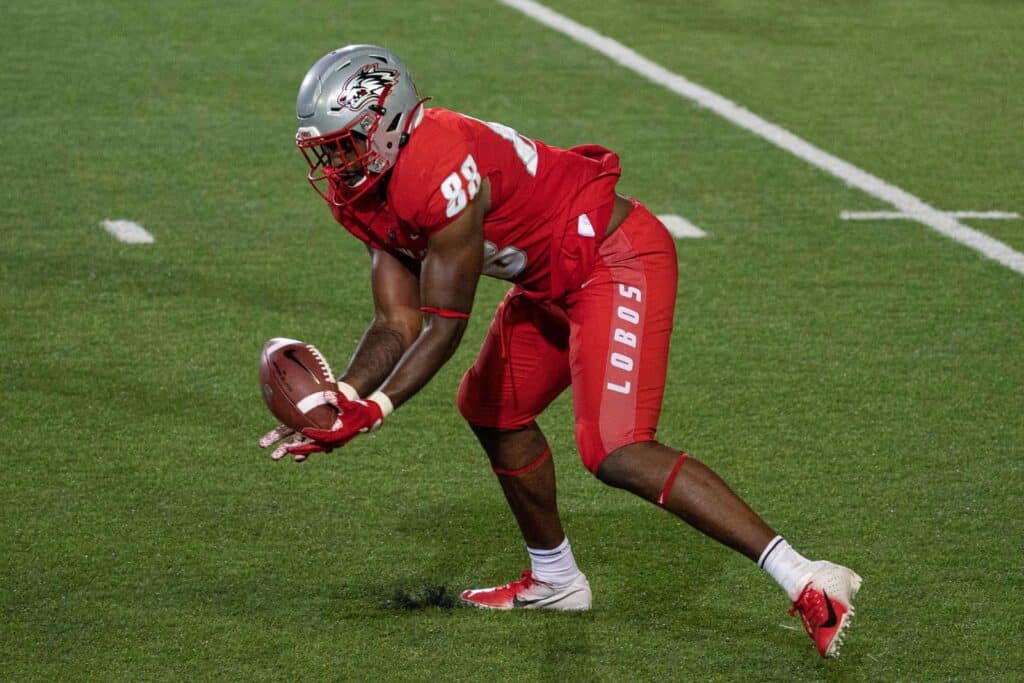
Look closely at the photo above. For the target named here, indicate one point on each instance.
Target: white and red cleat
(825, 606)
(529, 593)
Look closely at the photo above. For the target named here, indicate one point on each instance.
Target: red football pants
(609, 340)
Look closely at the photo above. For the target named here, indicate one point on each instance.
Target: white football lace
(324, 367)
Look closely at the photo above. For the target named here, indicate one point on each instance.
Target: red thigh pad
(621, 323)
(522, 366)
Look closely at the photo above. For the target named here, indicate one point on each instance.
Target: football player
(441, 198)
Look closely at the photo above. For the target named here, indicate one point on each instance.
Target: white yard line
(680, 227)
(899, 215)
(128, 231)
(938, 221)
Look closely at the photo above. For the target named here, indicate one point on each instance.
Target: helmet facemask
(356, 108)
(343, 165)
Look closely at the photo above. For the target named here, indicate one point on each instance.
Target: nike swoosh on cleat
(832, 620)
(520, 602)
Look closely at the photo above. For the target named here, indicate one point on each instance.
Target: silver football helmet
(356, 108)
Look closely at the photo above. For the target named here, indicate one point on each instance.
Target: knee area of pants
(467, 397)
(591, 450)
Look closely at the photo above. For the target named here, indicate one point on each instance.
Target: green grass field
(860, 383)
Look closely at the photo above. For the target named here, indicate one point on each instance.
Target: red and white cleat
(529, 593)
(824, 606)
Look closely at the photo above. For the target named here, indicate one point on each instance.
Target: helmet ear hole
(393, 126)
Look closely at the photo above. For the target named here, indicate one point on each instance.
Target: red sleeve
(436, 177)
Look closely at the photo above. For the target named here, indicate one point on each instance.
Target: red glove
(354, 418)
(277, 437)
(282, 449)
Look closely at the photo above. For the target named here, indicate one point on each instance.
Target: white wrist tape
(381, 399)
(348, 391)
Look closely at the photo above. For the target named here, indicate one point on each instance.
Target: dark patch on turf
(416, 599)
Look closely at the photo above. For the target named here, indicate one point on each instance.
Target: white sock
(556, 566)
(790, 569)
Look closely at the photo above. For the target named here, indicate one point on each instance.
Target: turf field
(860, 382)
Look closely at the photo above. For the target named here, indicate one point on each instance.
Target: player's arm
(447, 284)
(448, 280)
(396, 324)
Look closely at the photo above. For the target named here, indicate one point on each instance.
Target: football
(293, 377)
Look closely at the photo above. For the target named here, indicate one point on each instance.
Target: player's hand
(354, 418)
(279, 437)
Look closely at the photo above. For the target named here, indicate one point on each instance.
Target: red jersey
(549, 206)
